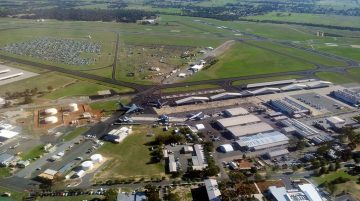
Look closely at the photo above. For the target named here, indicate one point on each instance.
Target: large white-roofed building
(212, 190)
(250, 129)
(238, 120)
(304, 192)
(263, 141)
(225, 95)
(226, 148)
(238, 111)
(7, 134)
(191, 99)
(310, 192)
(199, 160)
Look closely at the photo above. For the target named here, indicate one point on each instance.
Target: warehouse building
(191, 100)
(277, 153)
(239, 111)
(263, 141)
(226, 95)
(318, 84)
(226, 148)
(212, 190)
(199, 160)
(335, 121)
(250, 129)
(348, 96)
(301, 129)
(238, 120)
(289, 107)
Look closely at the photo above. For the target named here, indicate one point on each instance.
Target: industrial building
(226, 148)
(212, 190)
(263, 141)
(192, 99)
(277, 153)
(172, 163)
(238, 120)
(318, 84)
(225, 95)
(348, 96)
(239, 111)
(266, 90)
(250, 129)
(335, 121)
(301, 129)
(198, 159)
(48, 174)
(305, 192)
(118, 135)
(289, 107)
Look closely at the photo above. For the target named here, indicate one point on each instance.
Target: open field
(335, 20)
(270, 79)
(15, 195)
(4, 172)
(190, 88)
(335, 77)
(75, 133)
(242, 60)
(333, 175)
(33, 153)
(131, 158)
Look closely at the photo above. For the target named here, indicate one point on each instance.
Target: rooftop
(238, 120)
(239, 131)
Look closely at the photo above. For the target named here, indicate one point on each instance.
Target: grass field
(4, 172)
(15, 195)
(243, 60)
(270, 79)
(78, 131)
(33, 153)
(130, 158)
(190, 88)
(335, 20)
(335, 77)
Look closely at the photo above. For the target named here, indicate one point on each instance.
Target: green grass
(78, 131)
(33, 153)
(333, 175)
(4, 172)
(190, 88)
(82, 88)
(131, 157)
(15, 195)
(335, 20)
(335, 77)
(243, 60)
(71, 198)
(107, 105)
(269, 79)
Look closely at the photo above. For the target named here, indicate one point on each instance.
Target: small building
(335, 121)
(277, 153)
(23, 164)
(212, 190)
(244, 165)
(239, 111)
(188, 149)
(172, 164)
(48, 174)
(182, 75)
(6, 159)
(226, 148)
(199, 127)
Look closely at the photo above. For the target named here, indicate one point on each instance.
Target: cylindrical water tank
(73, 107)
(51, 111)
(87, 165)
(96, 158)
(51, 120)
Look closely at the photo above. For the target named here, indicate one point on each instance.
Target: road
(113, 75)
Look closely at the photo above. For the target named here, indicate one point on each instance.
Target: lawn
(269, 79)
(33, 153)
(335, 77)
(15, 195)
(130, 158)
(4, 172)
(355, 74)
(78, 131)
(243, 60)
(82, 88)
(333, 175)
(190, 88)
(109, 105)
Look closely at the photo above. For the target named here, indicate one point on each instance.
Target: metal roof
(263, 140)
(225, 95)
(276, 153)
(238, 120)
(239, 131)
(236, 111)
(310, 192)
(212, 189)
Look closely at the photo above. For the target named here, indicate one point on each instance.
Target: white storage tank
(51, 120)
(96, 158)
(73, 107)
(87, 165)
(51, 111)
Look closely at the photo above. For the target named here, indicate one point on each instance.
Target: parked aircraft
(158, 103)
(130, 108)
(197, 116)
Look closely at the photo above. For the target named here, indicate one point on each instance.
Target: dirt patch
(264, 185)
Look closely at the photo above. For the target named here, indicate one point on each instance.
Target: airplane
(125, 119)
(163, 118)
(130, 108)
(197, 116)
(158, 104)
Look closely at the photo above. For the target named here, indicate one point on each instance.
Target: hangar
(236, 112)
(239, 131)
(238, 120)
(226, 95)
(263, 141)
(191, 99)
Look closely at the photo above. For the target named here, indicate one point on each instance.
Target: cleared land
(131, 158)
(243, 60)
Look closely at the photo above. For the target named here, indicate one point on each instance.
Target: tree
(337, 165)
(152, 193)
(237, 176)
(332, 167)
(28, 99)
(172, 197)
(300, 145)
(111, 195)
(258, 177)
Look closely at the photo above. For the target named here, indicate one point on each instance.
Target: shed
(200, 127)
